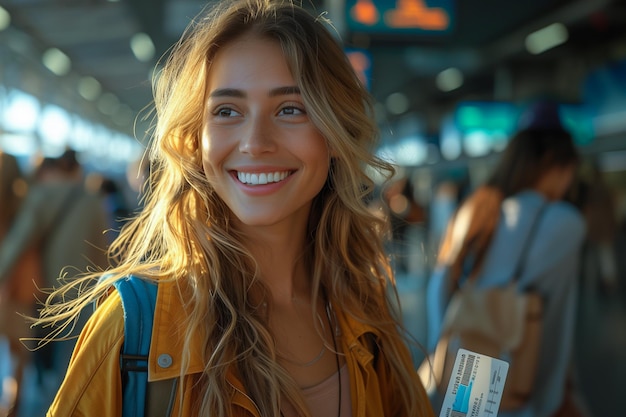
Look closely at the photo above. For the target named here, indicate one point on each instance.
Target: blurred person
(403, 212)
(114, 200)
(600, 261)
(60, 227)
(137, 178)
(534, 173)
(270, 267)
(12, 190)
(442, 208)
(116, 206)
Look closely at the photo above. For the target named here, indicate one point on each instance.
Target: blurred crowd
(57, 220)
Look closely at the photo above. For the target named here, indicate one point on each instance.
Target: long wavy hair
(529, 155)
(185, 233)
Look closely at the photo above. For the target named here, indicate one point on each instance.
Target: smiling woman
(272, 278)
(257, 125)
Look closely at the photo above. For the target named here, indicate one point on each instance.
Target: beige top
(323, 398)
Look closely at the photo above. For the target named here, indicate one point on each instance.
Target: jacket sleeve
(391, 400)
(92, 385)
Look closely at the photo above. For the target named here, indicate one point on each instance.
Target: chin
(256, 220)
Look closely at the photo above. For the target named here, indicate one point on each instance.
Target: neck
(280, 259)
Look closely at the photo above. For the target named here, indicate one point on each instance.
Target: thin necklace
(315, 359)
(305, 364)
(336, 352)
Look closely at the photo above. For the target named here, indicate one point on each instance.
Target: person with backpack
(517, 226)
(272, 283)
(57, 231)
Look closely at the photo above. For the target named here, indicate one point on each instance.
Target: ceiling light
(89, 88)
(142, 47)
(397, 103)
(449, 79)
(546, 38)
(108, 103)
(5, 18)
(56, 61)
(124, 115)
(412, 150)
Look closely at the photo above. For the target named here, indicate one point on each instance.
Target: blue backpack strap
(138, 300)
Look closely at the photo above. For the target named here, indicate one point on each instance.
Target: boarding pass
(475, 386)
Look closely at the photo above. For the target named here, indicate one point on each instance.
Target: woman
(271, 271)
(16, 293)
(485, 240)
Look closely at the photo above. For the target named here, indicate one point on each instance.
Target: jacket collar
(166, 349)
(170, 317)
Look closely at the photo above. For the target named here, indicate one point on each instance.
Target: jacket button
(164, 360)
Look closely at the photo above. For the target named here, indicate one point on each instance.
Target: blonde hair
(184, 231)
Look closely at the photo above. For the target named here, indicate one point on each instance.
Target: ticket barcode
(469, 364)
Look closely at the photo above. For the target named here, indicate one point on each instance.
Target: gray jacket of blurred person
(67, 221)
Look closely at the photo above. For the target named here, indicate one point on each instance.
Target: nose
(257, 138)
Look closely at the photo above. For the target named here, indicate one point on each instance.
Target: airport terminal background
(76, 74)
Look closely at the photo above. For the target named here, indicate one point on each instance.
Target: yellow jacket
(92, 385)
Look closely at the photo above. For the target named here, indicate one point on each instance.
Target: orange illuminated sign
(361, 63)
(400, 15)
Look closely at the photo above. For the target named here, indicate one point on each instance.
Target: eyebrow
(284, 91)
(233, 92)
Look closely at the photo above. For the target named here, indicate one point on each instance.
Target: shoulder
(105, 328)
(559, 236)
(102, 335)
(93, 378)
(48, 197)
(565, 212)
(555, 216)
(559, 233)
(563, 221)
(85, 197)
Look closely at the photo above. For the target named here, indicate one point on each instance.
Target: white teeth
(263, 178)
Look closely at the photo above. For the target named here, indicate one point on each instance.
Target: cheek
(567, 182)
(567, 178)
(210, 154)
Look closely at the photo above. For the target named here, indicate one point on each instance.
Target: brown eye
(225, 112)
(292, 111)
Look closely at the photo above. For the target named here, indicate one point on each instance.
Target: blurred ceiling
(486, 45)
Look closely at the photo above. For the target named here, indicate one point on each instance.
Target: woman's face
(260, 150)
(557, 181)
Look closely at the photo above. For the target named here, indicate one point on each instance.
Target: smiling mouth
(262, 178)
